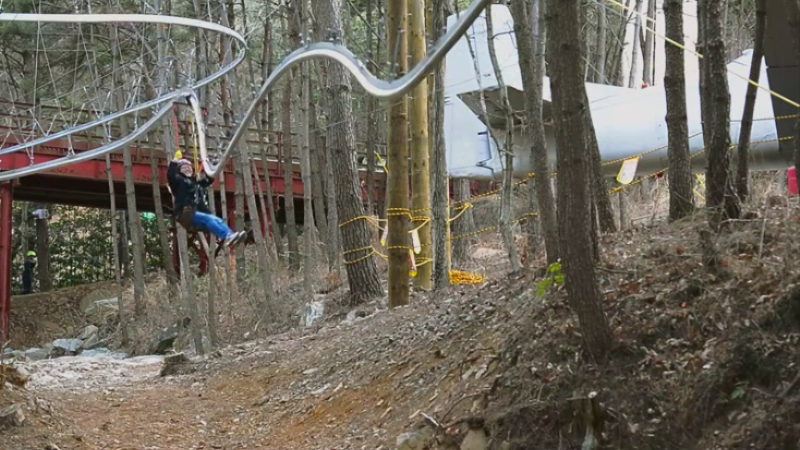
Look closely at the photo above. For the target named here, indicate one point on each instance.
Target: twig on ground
(761, 243)
(791, 386)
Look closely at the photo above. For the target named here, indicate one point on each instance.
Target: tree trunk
(187, 288)
(397, 149)
(649, 44)
(211, 303)
(286, 143)
(721, 199)
(463, 224)
(123, 317)
(230, 263)
(681, 199)
(420, 152)
(309, 231)
(574, 197)
(123, 246)
(440, 185)
(247, 182)
(602, 199)
(506, 207)
(743, 153)
(238, 169)
(268, 116)
(266, 119)
(363, 274)
(600, 45)
(370, 119)
(531, 41)
(614, 70)
(624, 219)
(263, 207)
(263, 139)
(133, 215)
(637, 20)
(168, 144)
(326, 158)
(43, 252)
(317, 178)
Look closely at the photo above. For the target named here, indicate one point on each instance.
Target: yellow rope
(458, 277)
(683, 47)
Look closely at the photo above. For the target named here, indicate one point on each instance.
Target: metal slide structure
(330, 50)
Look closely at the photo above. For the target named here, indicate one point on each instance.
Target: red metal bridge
(87, 183)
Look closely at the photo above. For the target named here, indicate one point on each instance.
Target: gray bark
(531, 41)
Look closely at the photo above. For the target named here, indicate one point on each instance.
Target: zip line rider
(189, 207)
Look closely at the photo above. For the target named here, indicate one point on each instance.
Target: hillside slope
(704, 359)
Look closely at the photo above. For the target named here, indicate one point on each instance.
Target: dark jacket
(27, 274)
(186, 191)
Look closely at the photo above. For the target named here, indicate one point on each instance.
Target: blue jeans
(211, 223)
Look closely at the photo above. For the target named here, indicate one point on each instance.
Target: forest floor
(703, 359)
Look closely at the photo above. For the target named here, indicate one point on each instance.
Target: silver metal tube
(338, 53)
(334, 51)
(85, 156)
(125, 18)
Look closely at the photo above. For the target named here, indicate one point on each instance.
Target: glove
(178, 154)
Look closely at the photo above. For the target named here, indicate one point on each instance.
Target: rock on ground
(12, 416)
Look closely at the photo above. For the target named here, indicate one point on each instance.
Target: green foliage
(554, 276)
(80, 244)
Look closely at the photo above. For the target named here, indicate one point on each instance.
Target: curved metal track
(170, 98)
(330, 50)
(339, 53)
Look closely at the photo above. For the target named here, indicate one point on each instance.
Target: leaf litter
(703, 359)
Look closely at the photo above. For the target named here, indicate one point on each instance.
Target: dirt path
(352, 384)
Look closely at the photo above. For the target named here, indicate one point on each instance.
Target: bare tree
(680, 171)
(123, 316)
(370, 117)
(168, 143)
(267, 117)
(43, 251)
(187, 290)
(244, 156)
(362, 275)
(531, 41)
(309, 231)
(293, 29)
(600, 46)
(127, 161)
(325, 157)
(463, 222)
(318, 176)
(506, 207)
(649, 43)
(721, 200)
(636, 44)
(574, 199)
(439, 185)
(743, 153)
(420, 150)
(397, 159)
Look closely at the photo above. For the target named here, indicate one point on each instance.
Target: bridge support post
(5, 259)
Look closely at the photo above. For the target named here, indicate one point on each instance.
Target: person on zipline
(189, 207)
